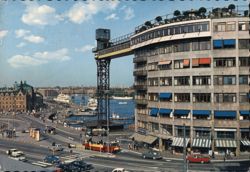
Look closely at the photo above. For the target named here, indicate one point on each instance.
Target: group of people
(133, 147)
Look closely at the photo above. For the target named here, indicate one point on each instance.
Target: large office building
(193, 70)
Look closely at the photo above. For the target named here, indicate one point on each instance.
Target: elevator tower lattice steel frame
(103, 86)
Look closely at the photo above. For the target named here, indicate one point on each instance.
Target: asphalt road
(128, 160)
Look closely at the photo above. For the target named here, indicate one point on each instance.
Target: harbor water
(120, 109)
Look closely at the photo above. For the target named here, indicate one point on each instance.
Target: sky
(49, 43)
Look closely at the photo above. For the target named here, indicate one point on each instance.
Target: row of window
(199, 80)
(171, 30)
(192, 45)
(201, 97)
(196, 63)
(230, 26)
(10, 106)
(189, 28)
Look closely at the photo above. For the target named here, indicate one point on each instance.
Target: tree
(158, 19)
(231, 7)
(202, 10)
(177, 13)
(148, 24)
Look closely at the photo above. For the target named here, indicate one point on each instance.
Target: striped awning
(245, 142)
(225, 143)
(143, 138)
(178, 141)
(201, 143)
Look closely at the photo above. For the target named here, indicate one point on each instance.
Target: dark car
(152, 155)
(82, 165)
(52, 159)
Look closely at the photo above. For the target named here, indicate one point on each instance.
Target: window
(201, 80)
(243, 26)
(176, 30)
(231, 26)
(152, 66)
(153, 97)
(244, 44)
(243, 79)
(182, 97)
(224, 97)
(178, 64)
(201, 97)
(244, 61)
(153, 81)
(165, 65)
(225, 135)
(166, 81)
(201, 45)
(181, 80)
(219, 27)
(224, 62)
(243, 98)
(224, 80)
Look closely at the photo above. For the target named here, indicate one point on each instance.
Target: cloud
(21, 44)
(18, 61)
(81, 12)
(112, 17)
(21, 33)
(3, 33)
(59, 55)
(85, 48)
(34, 39)
(38, 58)
(40, 15)
(129, 13)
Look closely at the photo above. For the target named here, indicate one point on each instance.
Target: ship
(122, 98)
(92, 104)
(63, 98)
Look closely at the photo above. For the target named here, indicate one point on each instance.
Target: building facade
(194, 72)
(20, 98)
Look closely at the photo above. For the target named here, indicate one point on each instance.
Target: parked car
(152, 155)
(119, 170)
(52, 159)
(198, 158)
(82, 165)
(56, 147)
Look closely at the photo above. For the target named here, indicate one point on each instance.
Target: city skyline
(50, 43)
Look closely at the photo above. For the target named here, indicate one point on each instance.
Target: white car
(119, 170)
(16, 154)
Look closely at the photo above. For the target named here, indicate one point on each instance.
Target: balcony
(226, 123)
(141, 101)
(181, 121)
(244, 124)
(140, 73)
(140, 86)
(140, 59)
(201, 122)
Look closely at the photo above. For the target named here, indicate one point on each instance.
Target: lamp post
(184, 149)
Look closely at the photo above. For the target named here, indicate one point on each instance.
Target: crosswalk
(71, 158)
(42, 164)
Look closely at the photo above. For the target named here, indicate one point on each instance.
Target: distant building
(48, 92)
(20, 98)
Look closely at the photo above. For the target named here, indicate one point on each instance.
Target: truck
(16, 154)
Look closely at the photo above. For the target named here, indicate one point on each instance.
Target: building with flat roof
(193, 70)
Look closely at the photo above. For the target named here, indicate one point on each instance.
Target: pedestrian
(129, 146)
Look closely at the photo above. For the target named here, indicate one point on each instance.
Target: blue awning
(225, 114)
(229, 41)
(181, 112)
(201, 112)
(165, 111)
(218, 43)
(245, 112)
(154, 111)
(165, 95)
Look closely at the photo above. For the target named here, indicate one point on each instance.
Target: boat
(92, 104)
(122, 98)
(63, 98)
